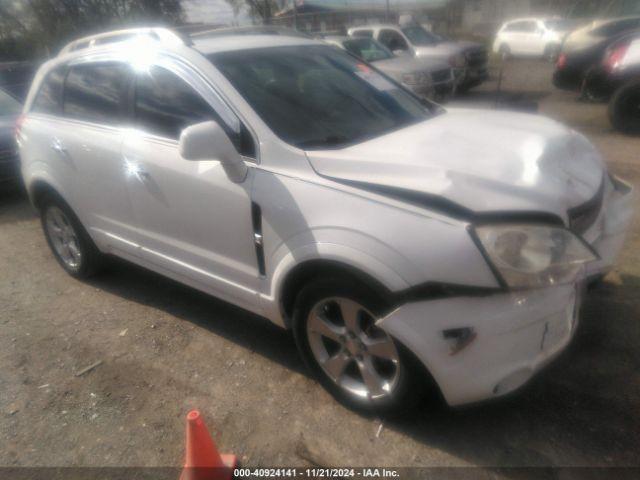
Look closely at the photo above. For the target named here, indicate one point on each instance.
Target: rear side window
(165, 105)
(363, 33)
(50, 94)
(524, 27)
(96, 91)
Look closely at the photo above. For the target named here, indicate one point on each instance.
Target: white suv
(399, 241)
(532, 36)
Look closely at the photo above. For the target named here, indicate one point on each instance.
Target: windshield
(368, 49)
(9, 106)
(419, 36)
(318, 97)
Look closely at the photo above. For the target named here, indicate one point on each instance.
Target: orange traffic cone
(202, 460)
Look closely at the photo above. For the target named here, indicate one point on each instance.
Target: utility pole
(387, 14)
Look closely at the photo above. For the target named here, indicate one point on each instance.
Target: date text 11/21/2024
(315, 472)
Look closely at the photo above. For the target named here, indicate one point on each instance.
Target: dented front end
(483, 345)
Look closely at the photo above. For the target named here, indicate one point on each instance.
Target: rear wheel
(353, 358)
(624, 108)
(71, 245)
(504, 51)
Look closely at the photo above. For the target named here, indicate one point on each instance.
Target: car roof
(235, 42)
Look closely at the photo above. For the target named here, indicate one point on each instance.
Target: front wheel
(624, 108)
(353, 358)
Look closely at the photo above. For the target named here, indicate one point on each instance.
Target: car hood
(482, 161)
(409, 64)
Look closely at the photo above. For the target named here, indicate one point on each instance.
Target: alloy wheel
(352, 350)
(63, 237)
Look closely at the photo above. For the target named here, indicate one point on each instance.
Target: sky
(210, 11)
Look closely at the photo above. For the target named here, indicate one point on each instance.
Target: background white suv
(400, 242)
(532, 36)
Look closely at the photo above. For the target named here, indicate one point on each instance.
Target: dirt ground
(166, 349)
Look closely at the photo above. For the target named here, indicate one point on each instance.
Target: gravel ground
(166, 349)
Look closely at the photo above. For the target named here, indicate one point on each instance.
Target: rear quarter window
(49, 97)
(363, 33)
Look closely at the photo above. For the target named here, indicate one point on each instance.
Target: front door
(193, 222)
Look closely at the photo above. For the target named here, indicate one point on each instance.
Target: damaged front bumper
(513, 336)
(481, 347)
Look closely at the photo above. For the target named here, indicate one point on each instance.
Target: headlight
(528, 256)
(416, 78)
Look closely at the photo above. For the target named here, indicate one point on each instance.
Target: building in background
(338, 15)
(479, 18)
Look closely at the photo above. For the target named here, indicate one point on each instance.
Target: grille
(441, 75)
(582, 217)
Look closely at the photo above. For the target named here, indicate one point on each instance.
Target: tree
(45, 25)
(262, 9)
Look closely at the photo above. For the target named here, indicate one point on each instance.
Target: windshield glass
(9, 106)
(367, 49)
(419, 36)
(317, 97)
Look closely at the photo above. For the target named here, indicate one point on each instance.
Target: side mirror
(208, 141)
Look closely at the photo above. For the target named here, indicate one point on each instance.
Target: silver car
(431, 79)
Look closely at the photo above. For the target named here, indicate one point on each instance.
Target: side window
(511, 27)
(393, 40)
(49, 96)
(95, 91)
(521, 27)
(165, 105)
(363, 33)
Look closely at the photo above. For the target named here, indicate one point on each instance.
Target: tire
(352, 356)
(504, 51)
(624, 108)
(68, 240)
(595, 86)
(551, 52)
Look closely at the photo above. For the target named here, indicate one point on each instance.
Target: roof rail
(162, 35)
(250, 30)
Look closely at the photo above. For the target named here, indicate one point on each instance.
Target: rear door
(530, 37)
(80, 144)
(192, 220)
(519, 34)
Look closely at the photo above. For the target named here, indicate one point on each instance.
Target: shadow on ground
(14, 206)
(582, 407)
